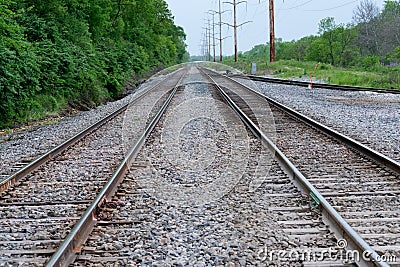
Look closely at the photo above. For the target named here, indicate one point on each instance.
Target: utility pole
(219, 12)
(212, 12)
(209, 41)
(220, 30)
(271, 31)
(203, 45)
(235, 26)
(235, 30)
(213, 37)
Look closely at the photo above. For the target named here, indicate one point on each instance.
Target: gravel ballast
(370, 118)
(26, 145)
(168, 222)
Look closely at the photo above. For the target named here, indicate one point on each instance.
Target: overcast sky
(293, 19)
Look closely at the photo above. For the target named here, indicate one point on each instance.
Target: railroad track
(360, 183)
(17, 164)
(244, 222)
(144, 226)
(368, 117)
(41, 203)
(320, 85)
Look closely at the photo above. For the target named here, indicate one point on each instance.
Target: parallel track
(72, 244)
(26, 166)
(336, 182)
(368, 181)
(294, 217)
(133, 230)
(321, 85)
(42, 202)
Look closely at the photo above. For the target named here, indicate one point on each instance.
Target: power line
(219, 13)
(317, 10)
(294, 7)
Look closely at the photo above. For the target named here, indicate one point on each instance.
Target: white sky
(294, 19)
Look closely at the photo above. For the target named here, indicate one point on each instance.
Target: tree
(318, 51)
(389, 27)
(302, 45)
(365, 12)
(80, 53)
(345, 36)
(326, 28)
(365, 16)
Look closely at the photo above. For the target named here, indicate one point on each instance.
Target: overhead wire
(300, 5)
(331, 8)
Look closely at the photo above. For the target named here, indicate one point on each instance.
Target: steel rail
(341, 228)
(66, 253)
(320, 85)
(365, 150)
(9, 181)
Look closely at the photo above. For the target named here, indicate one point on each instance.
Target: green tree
(326, 28)
(80, 53)
(318, 51)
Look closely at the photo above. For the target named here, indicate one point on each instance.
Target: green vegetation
(382, 77)
(366, 53)
(60, 53)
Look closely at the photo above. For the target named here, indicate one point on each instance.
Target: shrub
(370, 63)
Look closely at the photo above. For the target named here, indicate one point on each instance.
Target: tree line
(56, 53)
(372, 39)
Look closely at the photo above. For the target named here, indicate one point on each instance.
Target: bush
(396, 53)
(370, 63)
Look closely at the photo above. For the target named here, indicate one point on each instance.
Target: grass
(378, 77)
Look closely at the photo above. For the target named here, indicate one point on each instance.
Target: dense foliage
(59, 52)
(371, 42)
(374, 36)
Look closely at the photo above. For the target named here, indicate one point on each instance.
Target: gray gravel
(364, 193)
(26, 145)
(371, 118)
(44, 206)
(40, 211)
(234, 229)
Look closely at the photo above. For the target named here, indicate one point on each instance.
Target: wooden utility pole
(235, 26)
(209, 40)
(220, 31)
(235, 30)
(271, 31)
(219, 12)
(204, 46)
(214, 37)
(212, 12)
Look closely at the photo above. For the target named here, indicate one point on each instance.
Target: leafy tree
(318, 51)
(378, 32)
(389, 27)
(327, 28)
(68, 52)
